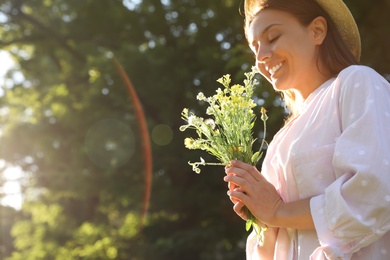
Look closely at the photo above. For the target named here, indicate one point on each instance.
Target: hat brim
(345, 23)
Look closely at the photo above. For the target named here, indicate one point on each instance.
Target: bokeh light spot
(162, 135)
(110, 143)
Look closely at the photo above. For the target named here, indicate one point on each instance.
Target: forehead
(268, 18)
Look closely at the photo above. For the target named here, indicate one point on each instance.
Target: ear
(319, 29)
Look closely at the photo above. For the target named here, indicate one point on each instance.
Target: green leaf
(248, 224)
(256, 157)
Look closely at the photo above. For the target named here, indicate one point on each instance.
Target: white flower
(210, 122)
(200, 96)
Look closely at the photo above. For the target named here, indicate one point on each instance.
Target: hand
(248, 187)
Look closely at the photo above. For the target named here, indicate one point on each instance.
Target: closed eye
(274, 39)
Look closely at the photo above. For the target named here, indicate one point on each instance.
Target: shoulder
(359, 86)
(361, 79)
(359, 73)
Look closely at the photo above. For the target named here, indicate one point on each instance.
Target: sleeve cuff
(329, 248)
(317, 206)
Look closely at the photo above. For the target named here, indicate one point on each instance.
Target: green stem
(264, 135)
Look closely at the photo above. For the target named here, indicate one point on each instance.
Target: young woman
(324, 188)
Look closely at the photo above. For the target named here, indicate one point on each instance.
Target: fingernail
(228, 192)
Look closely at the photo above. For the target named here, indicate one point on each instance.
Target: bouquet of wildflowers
(228, 133)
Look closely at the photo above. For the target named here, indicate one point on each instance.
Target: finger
(236, 171)
(233, 199)
(252, 170)
(232, 186)
(238, 208)
(239, 195)
(237, 181)
(240, 172)
(228, 171)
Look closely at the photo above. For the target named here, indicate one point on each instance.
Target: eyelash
(274, 39)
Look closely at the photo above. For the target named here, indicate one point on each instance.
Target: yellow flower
(235, 149)
(237, 89)
(263, 112)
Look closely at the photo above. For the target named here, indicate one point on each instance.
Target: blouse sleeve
(355, 209)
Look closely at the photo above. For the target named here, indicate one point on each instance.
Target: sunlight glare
(131, 4)
(12, 188)
(6, 63)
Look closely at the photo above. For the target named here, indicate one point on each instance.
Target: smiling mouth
(275, 68)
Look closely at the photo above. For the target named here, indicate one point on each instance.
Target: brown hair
(333, 53)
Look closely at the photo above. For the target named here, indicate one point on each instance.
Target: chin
(281, 85)
(277, 86)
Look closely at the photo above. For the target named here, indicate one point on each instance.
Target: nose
(263, 53)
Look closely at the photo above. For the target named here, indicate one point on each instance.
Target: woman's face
(286, 51)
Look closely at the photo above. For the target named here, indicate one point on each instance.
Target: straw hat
(345, 23)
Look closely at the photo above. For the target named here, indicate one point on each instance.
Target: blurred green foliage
(64, 108)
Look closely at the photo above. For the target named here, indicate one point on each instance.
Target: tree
(8, 216)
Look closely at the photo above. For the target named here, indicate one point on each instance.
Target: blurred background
(73, 176)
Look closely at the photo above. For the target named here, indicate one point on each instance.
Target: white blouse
(336, 152)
